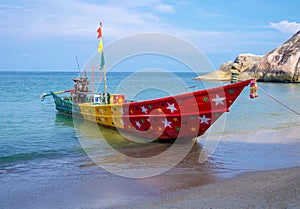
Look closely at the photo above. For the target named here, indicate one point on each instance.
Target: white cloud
(73, 18)
(9, 7)
(136, 4)
(286, 26)
(205, 13)
(80, 19)
(165, 8)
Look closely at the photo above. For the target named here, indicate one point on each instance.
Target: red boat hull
(182, 116)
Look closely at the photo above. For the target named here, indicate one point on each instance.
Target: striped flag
(99, 31)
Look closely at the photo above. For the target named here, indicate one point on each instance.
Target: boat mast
(78, 66)
(102, 61)
(105, 85)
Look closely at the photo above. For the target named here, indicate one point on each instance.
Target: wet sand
(188, 185)
(92, 187)
(268, 189)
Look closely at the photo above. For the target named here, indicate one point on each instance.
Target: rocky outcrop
(280, 65)
(241, 63)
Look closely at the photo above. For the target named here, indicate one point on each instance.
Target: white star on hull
(204, 119)
(167, 123)
(171, 107)
(219, 100)
(144, 109)
(137, 123)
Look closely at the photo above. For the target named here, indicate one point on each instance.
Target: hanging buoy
(253, 89)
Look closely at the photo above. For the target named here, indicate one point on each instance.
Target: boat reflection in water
(167, 166)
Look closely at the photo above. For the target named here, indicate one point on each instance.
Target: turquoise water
(36, 143)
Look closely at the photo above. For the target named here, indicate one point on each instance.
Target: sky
(47, 35)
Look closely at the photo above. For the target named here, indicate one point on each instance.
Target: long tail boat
(186, 115)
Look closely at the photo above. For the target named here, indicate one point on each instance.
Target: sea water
(37, 144)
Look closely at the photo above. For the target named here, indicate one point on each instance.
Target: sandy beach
(174, 189)
(268, 189)
(223, 181)
(190, 184)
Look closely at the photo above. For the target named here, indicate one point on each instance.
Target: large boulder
(240, 64)
(280, 65)
(223, 74)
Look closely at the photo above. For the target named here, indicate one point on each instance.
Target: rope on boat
(276, 100)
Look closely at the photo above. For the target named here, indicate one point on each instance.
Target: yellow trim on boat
(108, 115)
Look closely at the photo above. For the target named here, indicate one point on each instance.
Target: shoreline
(260, 189)
(187, 185)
